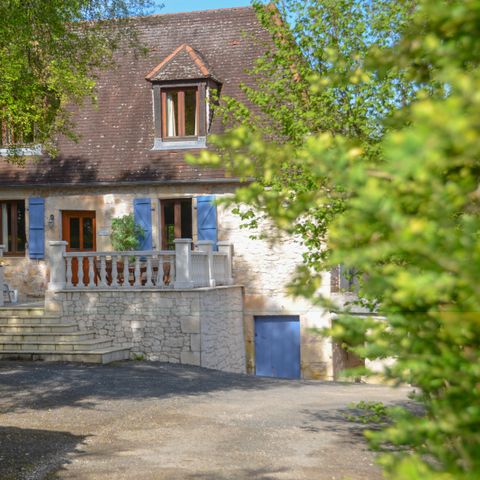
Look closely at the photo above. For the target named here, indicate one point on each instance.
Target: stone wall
(28, 277)
(265, 266)
(196, 327)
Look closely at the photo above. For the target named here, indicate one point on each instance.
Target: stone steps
(24, 337)
(26, 333)
(106, 355)
(37, 328)
(22, 311)
(26, 320)
(55, 346)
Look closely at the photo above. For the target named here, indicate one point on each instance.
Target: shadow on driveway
(29, 454)
(41, 386)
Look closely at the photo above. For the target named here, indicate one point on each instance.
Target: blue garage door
(277, 346)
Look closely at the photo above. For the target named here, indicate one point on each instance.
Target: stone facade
(197, 327)
(262, 267)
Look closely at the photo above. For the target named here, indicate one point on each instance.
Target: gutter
(142, 183)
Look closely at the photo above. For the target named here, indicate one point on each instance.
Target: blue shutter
(142, 213)
(36, 230)
(207, 219)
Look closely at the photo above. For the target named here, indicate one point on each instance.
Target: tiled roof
(184, 63)
(117, 135)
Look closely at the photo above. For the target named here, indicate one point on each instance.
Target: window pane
(74, 233)
(187, 218)
(170, 235)
(191, 112)
(9, 223)
(21, 236)
(172, 113)
(4, 237)
(88, 233)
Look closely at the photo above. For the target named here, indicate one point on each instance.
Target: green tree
(126, 234)
(50, 51)
(401, 205)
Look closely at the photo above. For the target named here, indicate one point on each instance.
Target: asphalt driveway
(154, 421)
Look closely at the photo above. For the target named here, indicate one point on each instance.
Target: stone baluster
(115, 260)
(69, 272)
(91, 272)
(149, 282)
(103, 271)
(173, 276)
(137, 282)
(207, 247)
(126, 272)
(81, 281)
(227, 248)
(159, 282)
(183, 263)
(56, 263)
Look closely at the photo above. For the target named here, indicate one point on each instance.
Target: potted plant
(126, 236)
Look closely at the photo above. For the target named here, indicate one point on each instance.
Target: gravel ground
(136, 420)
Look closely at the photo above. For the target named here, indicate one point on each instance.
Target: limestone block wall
(265, 268)
(197, 327)
(28, 277)
(221, 330)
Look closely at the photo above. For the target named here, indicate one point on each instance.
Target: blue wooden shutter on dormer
(36, 227)
(207, 219)
(142, 213)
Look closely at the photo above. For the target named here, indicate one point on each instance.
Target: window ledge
(159, 144)
(21, 152)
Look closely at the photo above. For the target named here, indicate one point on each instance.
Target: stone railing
(179, 268)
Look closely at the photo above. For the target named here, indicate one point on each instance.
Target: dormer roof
(184, 63)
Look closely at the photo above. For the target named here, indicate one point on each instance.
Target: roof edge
(193, 12)
(195, 181)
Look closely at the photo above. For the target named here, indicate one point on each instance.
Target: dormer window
(13, 142)
(182, 84)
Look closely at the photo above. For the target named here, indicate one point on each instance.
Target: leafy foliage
(49, 53)
(126, 234)
(392, 176)
(368, 413)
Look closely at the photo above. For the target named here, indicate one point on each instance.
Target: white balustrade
(139, 270)
(220, 268)
(200, 271)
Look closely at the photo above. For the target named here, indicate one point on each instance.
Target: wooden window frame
(180, 114)
(8, 139)
(66, 215)
(14, 228)
(160, 110)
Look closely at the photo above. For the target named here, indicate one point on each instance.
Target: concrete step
(41, 337)
(29, 320)
(54, 346)
(105, 355)
(22, 311)
(25, 328)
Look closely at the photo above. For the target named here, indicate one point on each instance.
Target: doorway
(79, 230)
(176, 221)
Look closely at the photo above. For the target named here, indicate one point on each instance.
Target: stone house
(151, 111)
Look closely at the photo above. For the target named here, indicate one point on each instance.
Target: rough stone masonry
(202, 326)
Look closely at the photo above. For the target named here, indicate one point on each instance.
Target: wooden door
(79, 230)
